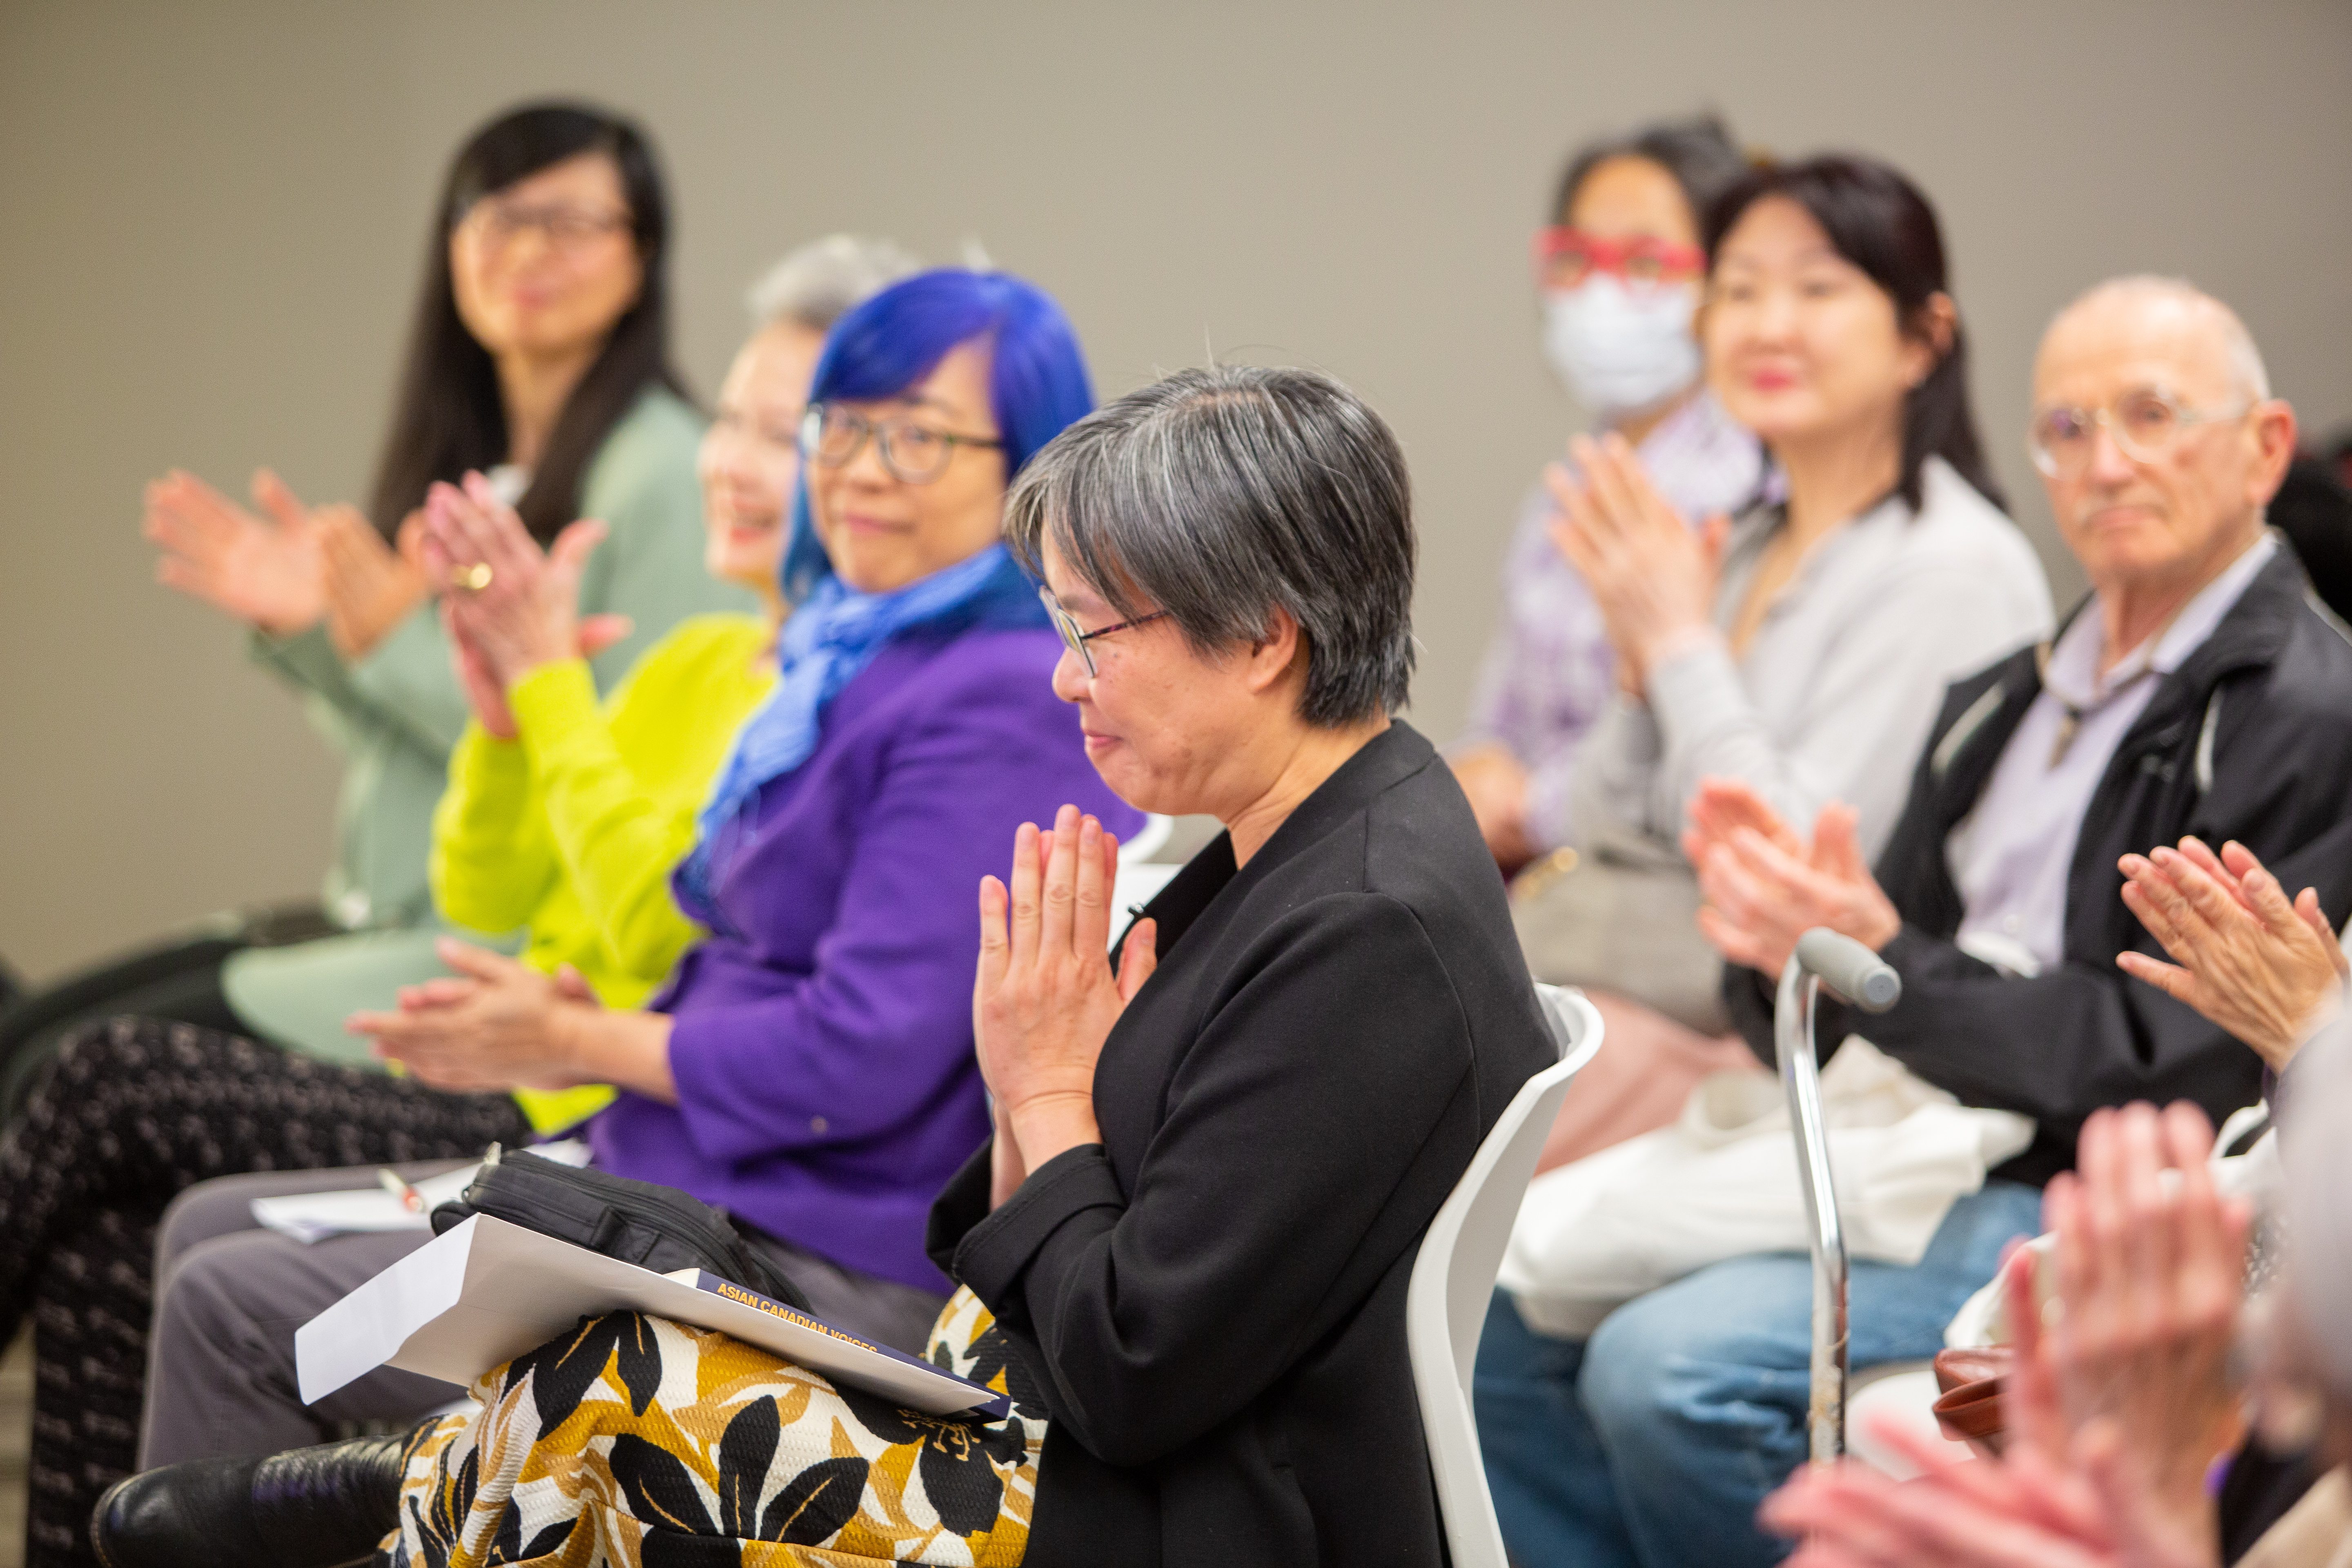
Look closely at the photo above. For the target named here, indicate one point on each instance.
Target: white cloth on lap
(1721, 1183)
(2257, 1178)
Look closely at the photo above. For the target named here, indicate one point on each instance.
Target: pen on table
(410, 1198)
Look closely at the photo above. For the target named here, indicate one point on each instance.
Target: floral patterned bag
(644, 1442)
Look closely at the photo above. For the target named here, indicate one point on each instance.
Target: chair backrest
(1454, 1279)
(1140, 878)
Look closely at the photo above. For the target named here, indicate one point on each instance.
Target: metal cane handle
(1850, 969)
(1861, 976)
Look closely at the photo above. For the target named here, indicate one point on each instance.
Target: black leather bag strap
(654, 1227)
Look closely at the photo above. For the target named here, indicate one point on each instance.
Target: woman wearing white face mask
(1620, 272)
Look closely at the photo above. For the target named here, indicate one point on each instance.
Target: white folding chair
(1453, 1281)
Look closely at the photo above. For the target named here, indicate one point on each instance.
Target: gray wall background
(211, 222)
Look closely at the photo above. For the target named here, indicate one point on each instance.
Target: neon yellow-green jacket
(570, 831)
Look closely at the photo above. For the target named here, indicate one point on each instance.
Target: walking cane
(1863, 978)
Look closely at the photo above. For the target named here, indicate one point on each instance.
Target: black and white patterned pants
(133, 1111)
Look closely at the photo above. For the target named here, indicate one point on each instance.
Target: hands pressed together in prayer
(2120, 1400)
(1046, 998)
(509, 607)
(288, 568)
(1652, 575)
(500, 1025)
(2268, 969)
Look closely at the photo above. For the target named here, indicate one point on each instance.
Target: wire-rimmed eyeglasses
(2145, 423)
(1076, 637)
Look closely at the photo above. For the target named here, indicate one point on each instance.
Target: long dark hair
(1881, 223)
(450, 417)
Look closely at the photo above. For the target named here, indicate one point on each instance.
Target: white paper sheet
(485, 1291)
(309, 1217)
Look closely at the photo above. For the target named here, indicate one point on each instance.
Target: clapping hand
(372, 586)
(2150, 1261)
(516, 606)
(1722, 808)
(2114, 1413)
(509, 608)
(2021, 1512)
(2266, 968)
(496, 1025)
(1652, 576)
(266, 570)
(483, 693)
(1765, 889)
(1044, 998)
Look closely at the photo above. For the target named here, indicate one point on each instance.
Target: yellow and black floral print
(643, 1441)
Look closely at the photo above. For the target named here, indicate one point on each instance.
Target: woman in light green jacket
(540, 357)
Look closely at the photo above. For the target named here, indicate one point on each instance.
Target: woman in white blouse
(1802, 649)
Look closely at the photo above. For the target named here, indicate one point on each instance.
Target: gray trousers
(229, 1296)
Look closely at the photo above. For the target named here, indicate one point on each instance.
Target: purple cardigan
(826, 1087)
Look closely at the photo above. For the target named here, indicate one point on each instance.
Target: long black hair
(1881, 223)
(450, 417)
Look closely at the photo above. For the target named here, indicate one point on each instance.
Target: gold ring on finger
(474, 578)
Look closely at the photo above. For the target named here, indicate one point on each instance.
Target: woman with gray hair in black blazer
(1213, 1163)
(1212, 1169)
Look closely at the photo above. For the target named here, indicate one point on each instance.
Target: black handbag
(656, 1228)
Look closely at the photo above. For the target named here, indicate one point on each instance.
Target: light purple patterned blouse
(1549, 673)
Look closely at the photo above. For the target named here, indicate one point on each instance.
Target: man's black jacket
(2250, 739)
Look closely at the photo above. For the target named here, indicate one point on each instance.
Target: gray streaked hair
(815, 285)
(2246, 367)
(1221, 495)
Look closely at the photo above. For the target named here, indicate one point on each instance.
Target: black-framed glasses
(567, 229)
(913, 454)
(2145, 423)
(1076, 637)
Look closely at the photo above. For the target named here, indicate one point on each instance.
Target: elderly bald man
(2195, 690)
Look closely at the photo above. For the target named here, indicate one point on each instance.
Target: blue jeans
(1652, 1443)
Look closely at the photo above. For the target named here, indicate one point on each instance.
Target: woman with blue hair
(809, 1065)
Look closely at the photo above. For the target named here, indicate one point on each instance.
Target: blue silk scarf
(827, 642)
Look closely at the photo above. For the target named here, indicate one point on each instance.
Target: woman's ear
(1935, 327)
(1268, 660)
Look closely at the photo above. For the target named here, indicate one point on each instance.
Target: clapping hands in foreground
(2116, 1410)
(2266, 968)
